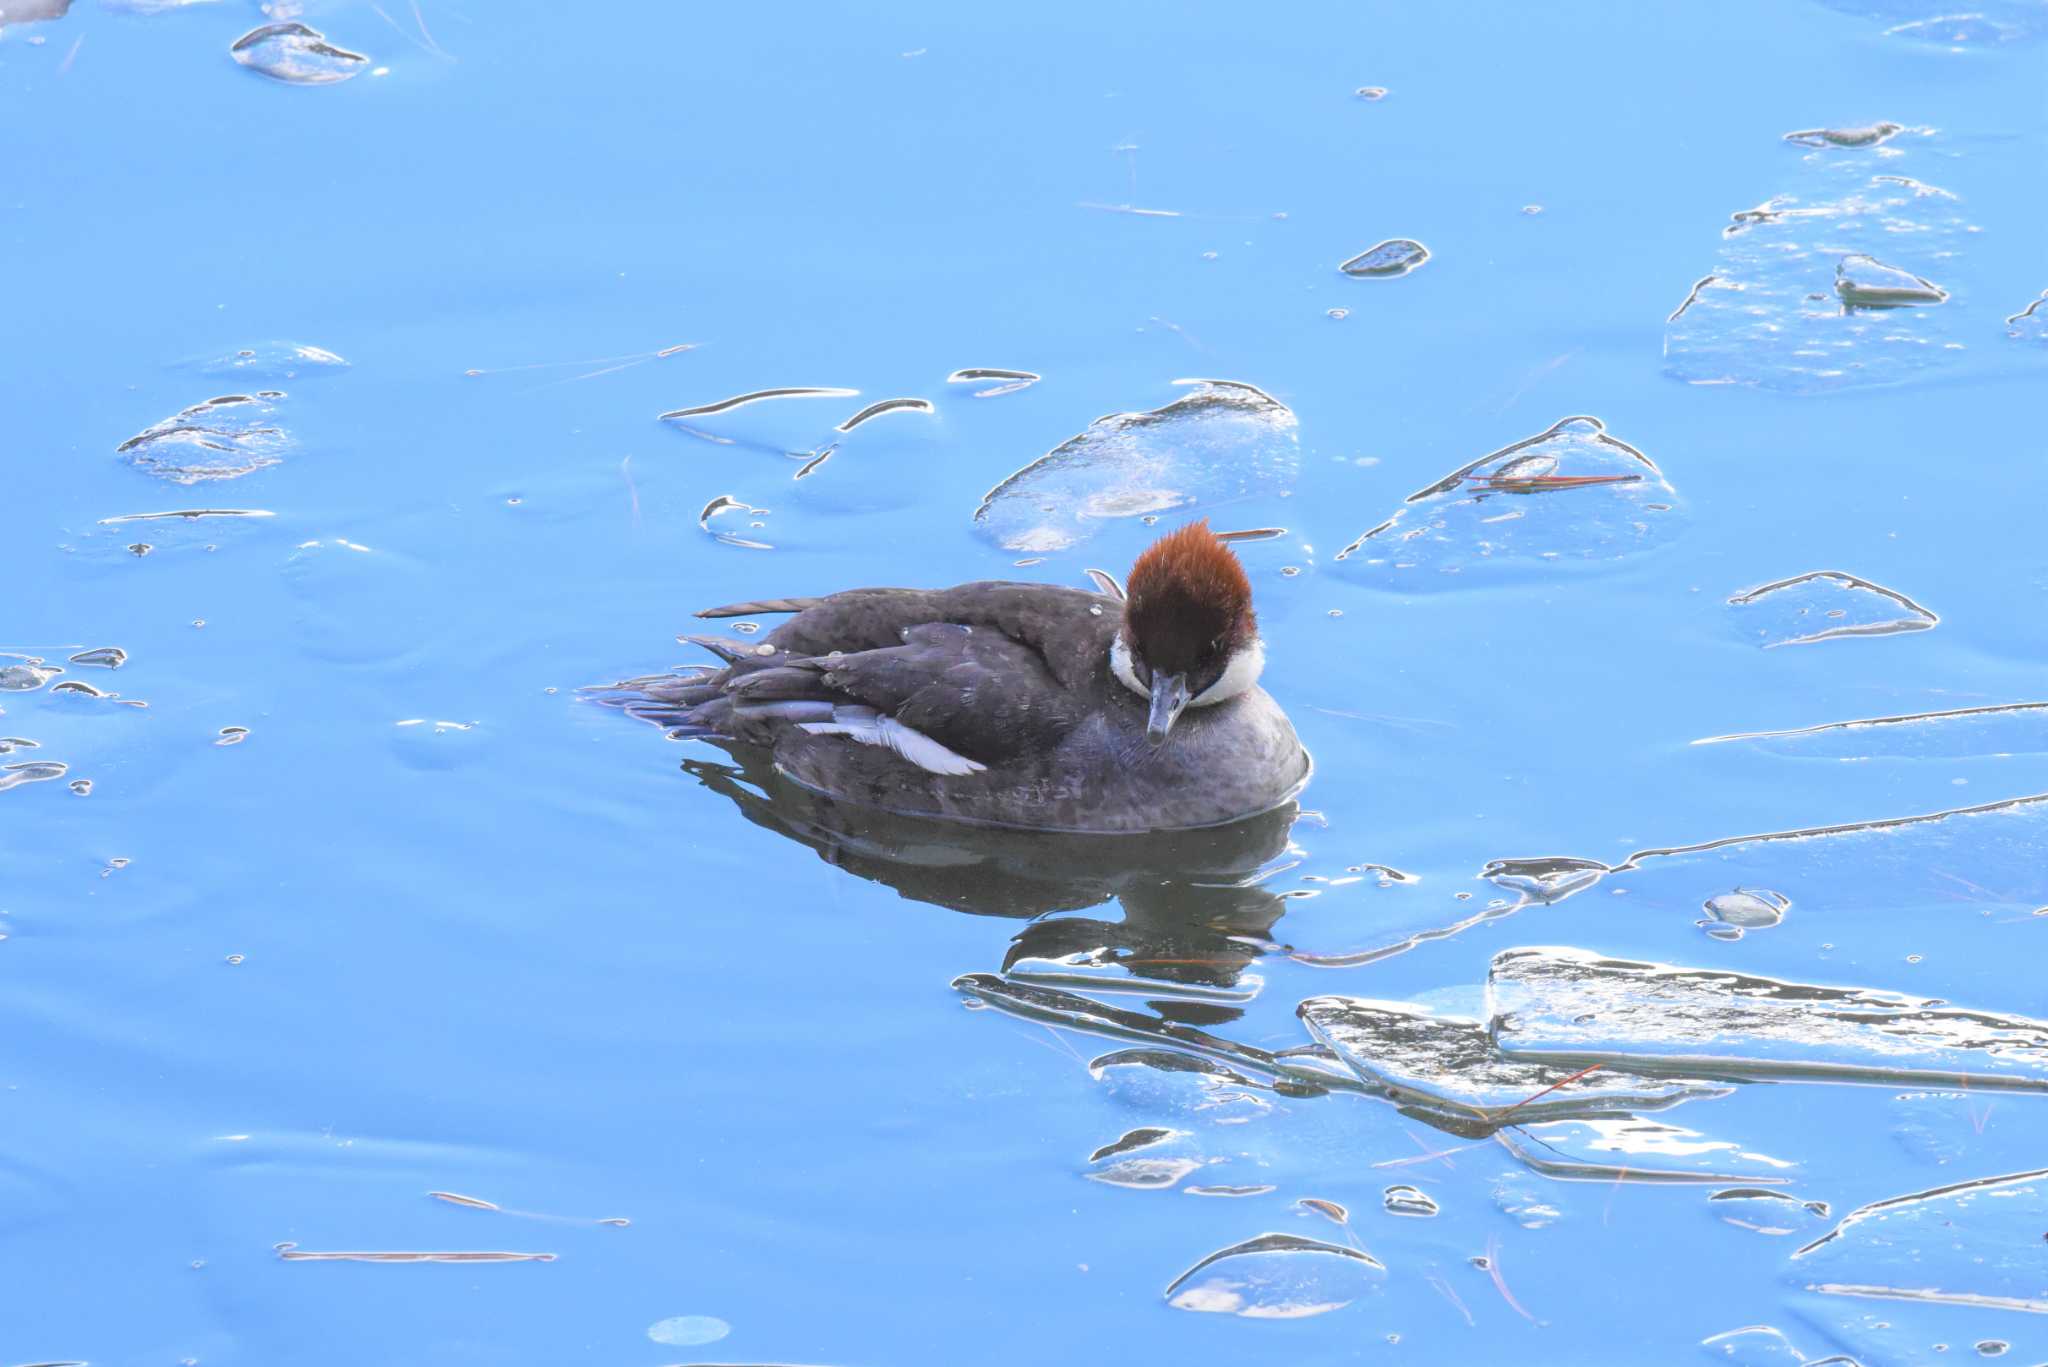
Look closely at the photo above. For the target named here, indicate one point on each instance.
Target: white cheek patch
(1125, 671)
(866, 726)
(1242, 672)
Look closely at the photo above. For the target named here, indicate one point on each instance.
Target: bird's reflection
(1194, 911)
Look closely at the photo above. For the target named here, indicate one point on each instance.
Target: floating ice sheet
(2019, 728)
(1976, 1243)
(1396, 256)
(32, 11)
(1757, 1345)
(1571, 493)
(1221, 441)
(764, 420)
(1949, 24)
(274, 361)
(1055, 1007)
(1277, 1276)
(30, 771)
(26, 677)
(1824, 605)
(297, 55)
(999, 381)
(1572, 1007)
(1804, 292)
(222, 438)
(1626, 1148)
(1869, 135)
(1447, 1063)
(1764, 1211)
(2031, 322)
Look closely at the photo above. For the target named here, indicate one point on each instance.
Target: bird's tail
(687, 703)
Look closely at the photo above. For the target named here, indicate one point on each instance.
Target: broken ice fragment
(1627, 1148)
(2031, 321)
(1276, 1276)
(1757, 1345)
(1748, 910)
(296, 54)
(222, 438)
(1571, 493)
(26, 678)
(1572, 1007)
(274, 361)
(1546, 880)
(1409, 1201)
(1396, 256)
(1141, 1138)
(1869, 136)
(875, 410)
(1975, 1243)
(1223, 441)
(688, 1331)
(1448, 1064)
(1963, 732)
(1054, 1007)
(1144, 1174)
(1866, 282)
(1768, 309)
(1826, 604)
(1767, 1212)
(32, 771)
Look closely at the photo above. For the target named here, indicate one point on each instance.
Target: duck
(1125, 710)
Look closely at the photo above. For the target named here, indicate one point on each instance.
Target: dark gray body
(1012, 676)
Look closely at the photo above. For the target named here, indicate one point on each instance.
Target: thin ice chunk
(1572, 1007)
(1627, 1148)
(2031, 322)
(1949, 24)
(1571, 493)
(1767, 1212)
(1963, 732)
(1795, 298)
(274, 361)
(1277, 1276)
(1448, 1063)
(222, 438)
(1396, 256)
(297, 55)
(1223, 441)
(1975, 1243)
(1825, 605)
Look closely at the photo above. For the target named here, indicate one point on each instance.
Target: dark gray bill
(1169, 696)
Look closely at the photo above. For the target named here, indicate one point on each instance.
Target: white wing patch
(868, 727)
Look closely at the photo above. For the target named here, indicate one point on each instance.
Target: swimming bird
(1010, 704)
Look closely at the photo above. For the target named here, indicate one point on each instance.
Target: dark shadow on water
(1194, 914)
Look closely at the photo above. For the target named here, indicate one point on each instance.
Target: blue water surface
(367, 905)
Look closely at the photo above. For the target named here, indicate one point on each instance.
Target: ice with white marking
(1826, 605)
(1972, 1243)
(221, 438)
(1572, 1007)
(1447, 1063)
(1221, 441)
(1277, 1276)
(1787, 303)
(1571, 496)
